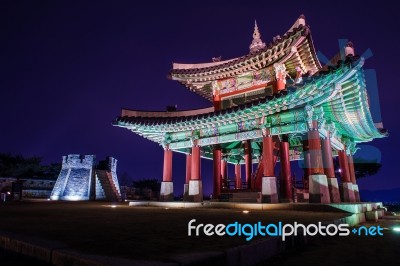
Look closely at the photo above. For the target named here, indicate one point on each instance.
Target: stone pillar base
(347, 192)
(372, 216)
(167, 191)
(185, 192)
(195, 191)
(334, 190)
(318, 188)
(269, 192)
(356, 193)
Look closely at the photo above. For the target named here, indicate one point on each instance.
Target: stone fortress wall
(80, 180)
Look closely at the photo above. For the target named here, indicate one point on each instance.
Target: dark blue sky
(67, 67)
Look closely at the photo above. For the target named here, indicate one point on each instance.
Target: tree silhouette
(20, 167)
(152, 184)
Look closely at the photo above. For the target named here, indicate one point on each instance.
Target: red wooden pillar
(307, 169)
(347, 187)
(248, 162)
(195, 183)
(353, 178)
(286, 180)
(188, 175)
(195, 163)
(224, 172)
(188, 167)
(268, 156)
(167, 187)
(217, 171)
(238, 176)
(314, 146)
(167, 169)
(318, 182)
(351, 170)
(269, 192)
(327, 158)
(329, 169)
(344, 167)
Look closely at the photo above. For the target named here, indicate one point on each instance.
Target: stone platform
(358, 212)
(344, 207)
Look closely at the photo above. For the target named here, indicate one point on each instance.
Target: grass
(350, 250)
(134, 232)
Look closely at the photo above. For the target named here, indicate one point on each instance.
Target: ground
(158, 233)
(351, 250)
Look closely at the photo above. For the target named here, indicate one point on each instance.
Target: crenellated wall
(78, 161)
(100, 195)
(112, 167)
(106, 179)
(75, 178)
(79, 180)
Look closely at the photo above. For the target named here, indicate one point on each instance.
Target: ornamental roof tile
(304, 29)
(344, 107)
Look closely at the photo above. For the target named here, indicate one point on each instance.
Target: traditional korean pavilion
(275, 104)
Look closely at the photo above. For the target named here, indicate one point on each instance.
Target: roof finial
(257, 43)
(301, 20)
(256, 33)
(349, 49)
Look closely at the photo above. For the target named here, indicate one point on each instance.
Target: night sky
(67, 68)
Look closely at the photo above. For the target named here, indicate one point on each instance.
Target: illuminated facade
(275, 104)
(79, 179)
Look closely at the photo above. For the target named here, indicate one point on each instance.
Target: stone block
(269, 192)
(372, 216)
(381, 212)
(346, 192)
(318, 188)
(356, 193)
(185, 192)
(333, 187)
(167, 191)
(195, 190)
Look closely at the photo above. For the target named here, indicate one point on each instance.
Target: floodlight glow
(8, 193)
(74, 198)
(74, 180)
(396, 229)
(245, 211)
(113, 206)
